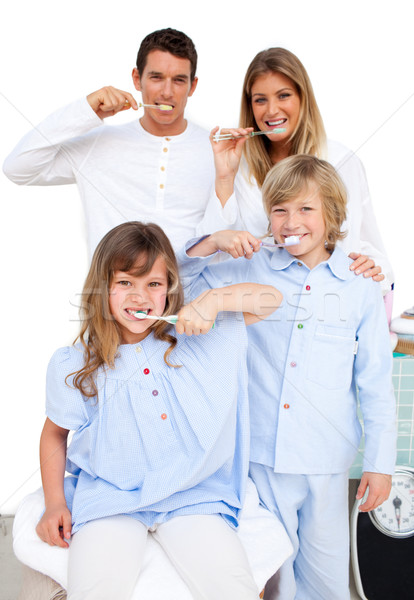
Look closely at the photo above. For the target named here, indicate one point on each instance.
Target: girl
(330, 334)
(277, 93)
(160, 422)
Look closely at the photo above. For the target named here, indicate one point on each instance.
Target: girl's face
(303, 217)
(129, 294)
(275, 103)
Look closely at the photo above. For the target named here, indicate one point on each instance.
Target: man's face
(165, 80)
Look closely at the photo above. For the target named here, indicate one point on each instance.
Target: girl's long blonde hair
(309, 136)
(134, 247)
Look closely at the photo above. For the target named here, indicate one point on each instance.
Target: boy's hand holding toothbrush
(235, 243)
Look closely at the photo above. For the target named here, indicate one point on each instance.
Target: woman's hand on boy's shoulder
(379, 488)
(364, 265)
(55, 525)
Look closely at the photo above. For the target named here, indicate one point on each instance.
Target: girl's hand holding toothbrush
(199, 315)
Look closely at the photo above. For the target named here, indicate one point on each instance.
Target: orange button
(286, 406)
(165, 149)
(163, 416)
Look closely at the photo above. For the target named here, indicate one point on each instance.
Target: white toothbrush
(164, 107)
(291, 240)
(170, 319)
(219, 137)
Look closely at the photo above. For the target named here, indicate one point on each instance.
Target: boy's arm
(373, 376)
(56, 522)
(254, 300)
(379, 486)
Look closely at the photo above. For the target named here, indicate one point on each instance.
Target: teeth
(133, 313)
(275, 123)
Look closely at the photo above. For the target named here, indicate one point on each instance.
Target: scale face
(382, 543)
(395, 516)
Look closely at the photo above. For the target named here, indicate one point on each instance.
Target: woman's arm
(254, 300)
(56, 522)
(227, 155)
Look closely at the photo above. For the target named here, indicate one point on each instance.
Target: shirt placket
(156, 395)
(162, 173)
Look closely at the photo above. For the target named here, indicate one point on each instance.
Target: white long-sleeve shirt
(123, 172)
(244, 210)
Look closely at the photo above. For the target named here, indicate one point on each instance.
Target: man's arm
(52, 151)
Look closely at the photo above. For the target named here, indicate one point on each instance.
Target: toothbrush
(170, 319)
(228, 136)
(291, 240)
(159, 106)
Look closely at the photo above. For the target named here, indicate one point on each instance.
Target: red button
(146, 371)
(293, 364)
(308, 287)
(163, 416)
(286, 406)
(155, 392)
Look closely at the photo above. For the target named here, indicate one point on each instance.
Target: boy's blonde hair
(131, 247)
(309, 136)
(288, 178)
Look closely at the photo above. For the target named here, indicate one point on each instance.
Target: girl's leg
(105, 558)
(209, 556)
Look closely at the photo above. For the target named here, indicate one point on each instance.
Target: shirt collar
(338, 262)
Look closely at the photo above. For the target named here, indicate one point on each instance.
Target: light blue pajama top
(161, 441)
(304, 361)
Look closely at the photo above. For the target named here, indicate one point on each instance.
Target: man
(159, 168)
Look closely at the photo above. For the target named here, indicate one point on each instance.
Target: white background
(360, 58)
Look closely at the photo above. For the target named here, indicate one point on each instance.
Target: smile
(275, 123)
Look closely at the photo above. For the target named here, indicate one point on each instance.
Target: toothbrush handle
(174, 318)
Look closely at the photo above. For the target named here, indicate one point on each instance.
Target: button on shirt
(161, 441)
(304, 419)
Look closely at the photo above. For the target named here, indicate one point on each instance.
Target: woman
(277, 93)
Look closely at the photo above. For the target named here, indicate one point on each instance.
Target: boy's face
(303, 217)
(166, 79)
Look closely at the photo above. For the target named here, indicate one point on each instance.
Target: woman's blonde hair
(291, 176)
(131, 247)
(309, 136)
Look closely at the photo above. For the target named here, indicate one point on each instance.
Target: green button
(300, 326)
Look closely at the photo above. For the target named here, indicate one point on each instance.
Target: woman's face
(275, 103)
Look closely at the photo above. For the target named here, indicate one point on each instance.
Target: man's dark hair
(167, 40)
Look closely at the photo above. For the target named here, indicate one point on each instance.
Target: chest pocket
(332, 357)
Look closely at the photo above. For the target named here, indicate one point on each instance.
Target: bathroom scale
(382, 543)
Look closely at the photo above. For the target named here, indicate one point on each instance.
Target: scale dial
(395, 516)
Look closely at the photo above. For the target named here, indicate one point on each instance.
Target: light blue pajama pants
(314, 511)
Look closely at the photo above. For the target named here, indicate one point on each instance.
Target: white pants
(314, 511)
(105, 556)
